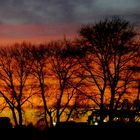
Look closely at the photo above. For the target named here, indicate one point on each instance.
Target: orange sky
(36, 33)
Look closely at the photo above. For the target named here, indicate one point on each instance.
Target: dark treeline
(69, 78)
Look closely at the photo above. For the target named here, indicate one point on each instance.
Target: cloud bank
(51, 15)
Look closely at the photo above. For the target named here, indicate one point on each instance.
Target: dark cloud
(68, 15)
(78, 11)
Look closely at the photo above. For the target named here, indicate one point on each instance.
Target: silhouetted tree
(40, 72)
(136, 70)
(15, 66)
(64, 68)
(111, 50)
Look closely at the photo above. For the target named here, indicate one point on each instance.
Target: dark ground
(74, 131)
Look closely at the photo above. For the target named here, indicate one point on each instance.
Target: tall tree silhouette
(111, 51)
(14, 74)
(40, 71)
(136, 69)
(64, 68)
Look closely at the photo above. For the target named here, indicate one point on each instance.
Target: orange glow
(10, 34)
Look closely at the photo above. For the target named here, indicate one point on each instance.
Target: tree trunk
(51, 120)
(44, 103)
(20, 114)
(102, 109)
(45, 110)
(111, 110)
(14, 116)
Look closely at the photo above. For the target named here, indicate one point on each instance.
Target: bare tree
(15, 68)
(111, 50)
(40, 71)
(64, 68)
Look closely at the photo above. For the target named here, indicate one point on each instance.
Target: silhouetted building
(5, 123)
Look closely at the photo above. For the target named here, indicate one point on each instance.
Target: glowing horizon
(10, 34)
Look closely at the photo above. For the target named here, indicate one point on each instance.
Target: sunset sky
(43, 20)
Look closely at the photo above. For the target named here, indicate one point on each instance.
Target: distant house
(5, 122)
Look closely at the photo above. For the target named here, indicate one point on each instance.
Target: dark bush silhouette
(5, 123)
